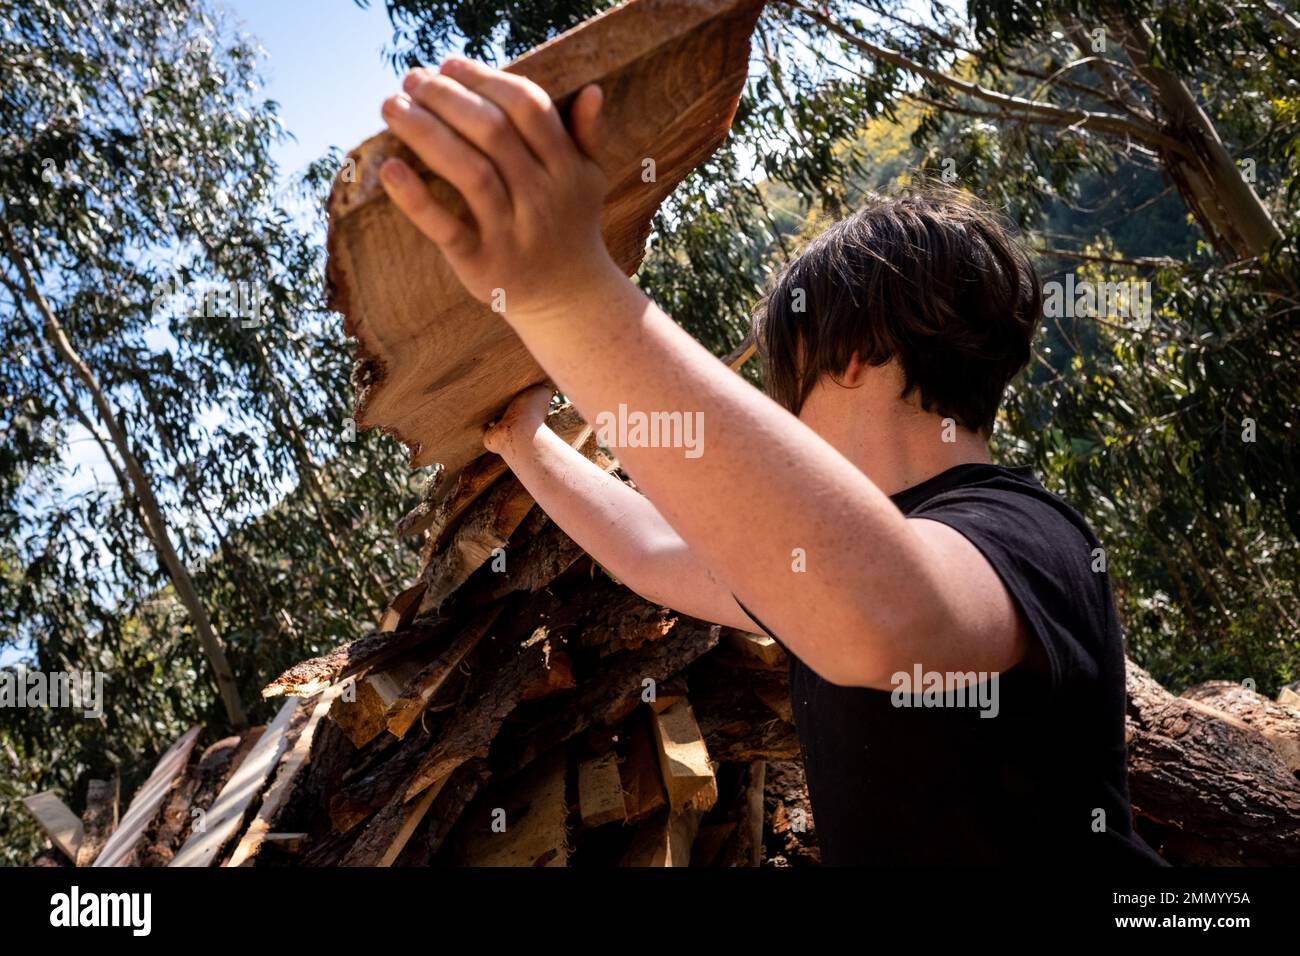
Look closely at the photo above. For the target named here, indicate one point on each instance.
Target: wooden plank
(684, 758)
(745, 848)
(384, 838)
(758, 648)
(99, 819)
(401, 610)
(286, 779)
(227, 812)
(600, 791)
(435, 365)
(488, 527)
(60, 824)
(308, 678)
(144, 805)
(407, 708)
(445, 501)
(363, 713)
(288, 842)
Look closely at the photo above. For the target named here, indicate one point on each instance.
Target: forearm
(611, 522)
(616, 525)
(767, 498)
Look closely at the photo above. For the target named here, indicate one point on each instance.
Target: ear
(854, 372)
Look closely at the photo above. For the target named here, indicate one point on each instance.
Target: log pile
(538, 714)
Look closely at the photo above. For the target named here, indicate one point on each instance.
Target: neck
(896, 444)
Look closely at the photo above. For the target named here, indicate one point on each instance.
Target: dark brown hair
(933, 279)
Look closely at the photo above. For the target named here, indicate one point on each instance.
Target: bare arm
(613, 523)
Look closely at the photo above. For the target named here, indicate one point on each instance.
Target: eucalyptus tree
(184, 505)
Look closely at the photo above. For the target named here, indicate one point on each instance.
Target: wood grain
(435, 365)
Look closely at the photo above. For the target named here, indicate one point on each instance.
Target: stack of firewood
(520, 707)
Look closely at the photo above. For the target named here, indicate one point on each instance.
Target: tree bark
(1215, 784)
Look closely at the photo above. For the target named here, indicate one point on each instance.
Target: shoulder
(1013, 508)
(1047, 558)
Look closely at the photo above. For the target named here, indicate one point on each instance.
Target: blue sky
(326, 68)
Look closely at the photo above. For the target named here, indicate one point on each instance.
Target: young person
(957, 670)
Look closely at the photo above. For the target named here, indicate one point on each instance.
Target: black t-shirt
(1043, 778)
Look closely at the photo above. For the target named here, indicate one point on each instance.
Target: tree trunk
(155, 524)
(1212, 185)
(1214, 774)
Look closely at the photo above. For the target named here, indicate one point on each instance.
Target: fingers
(480, 121)
(448, 155)
(587, 120)
(410, 194)
(529, 108)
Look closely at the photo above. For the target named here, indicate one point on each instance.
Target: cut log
(473, 728)
(710, 841)
(533, 565)
(1278, 724)
(387, 834)
(99, 819)
(556, 674)
(614, 693)
(459, 791)
(1218, 791)
(189, 798)
(370, 791)
(643, 787)
(400, 612)
(60, 824)
(600, 791)
(485, 530)
(684, 759)
(287, 842)
(363, 713)
(144, 805)
(445, 502)
(435, 365)
(665, 840)
(745, 848)
(624, 622)
(227, 813)
(481, 535)
(758, 649)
